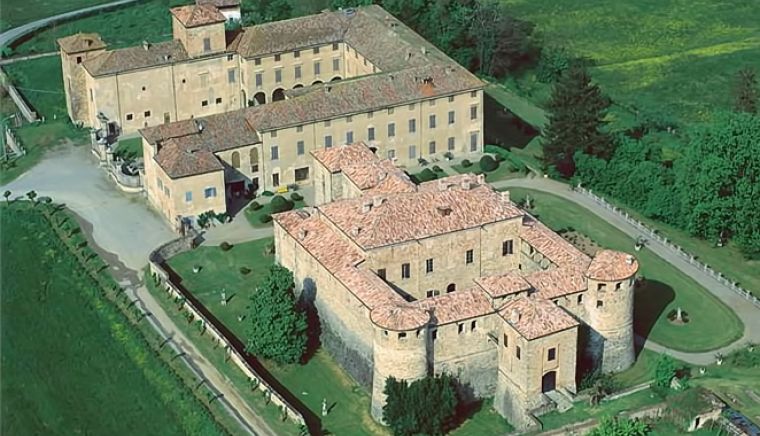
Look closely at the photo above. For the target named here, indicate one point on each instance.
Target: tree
(32, 195)
(622, 426)
(265, 11)
(746, 91)
(407, 410)
(664, 371)
(7, 195)
(502, 43)
(277, 327)
(577, 109)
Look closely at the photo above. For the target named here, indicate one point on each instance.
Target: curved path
(746, 311)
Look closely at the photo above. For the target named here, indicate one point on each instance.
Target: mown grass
(17, 12)
(40, 81)
(129, 149)
(71, 362)
(665, 288)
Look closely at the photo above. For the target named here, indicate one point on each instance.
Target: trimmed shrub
(296, 196)
(437, 169)
(448, 155)
(255, 205)
(225, 246)
(267, 193)
(426, 175)
(498, 158)
(265, 218)
(488, 164)
(466, 163)
(245, 270)
(280, 204)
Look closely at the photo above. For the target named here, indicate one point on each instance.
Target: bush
(245, 270)
(280, 204)
(498, 158)
(267, 193)
(265, 218)
(296, 196)
(426, 175)
(225, 246)
(488, 164)
(553, 62)
(466, 163)
(255, 205)
(448, 155)
(437, 169)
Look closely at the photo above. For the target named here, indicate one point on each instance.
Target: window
(474, 112)
(204, 103)
(451, 99)
(219, 100)
(505, 341)
(316, 68)
(336, 64)
(189, 197)
(316, 50)
(235, 158)
(451, 143)
(452, 117)
(328, 141)
(297, 54)
(275, 152)
(402, 335)
(230, 57)
(299, 129)
(381, 273)
(370, 115)
(300, 148)
(297, 71)
(473, 325)
(412, 125)
(167, 117)
(203, 78)
(460, 328)
(432, 121)
(429, 265)
(257, 61)
(349, 119)
(507, 247)
(209, 192)
(580, 298)
(276, 179)
(518, 352)
(391, 154)
(405, 271)
(473, 94)
(452, 287)
(231, 75)
(431, 103)
(79, 59)
(167, 192)
(469, 257)
(617, 286)
(434, 334)
(302, 174)
(144, 88)
(335, 46)
(552, 354)
(371, 134)
(474, 141)
(432, 293)
(146, 114)
(254, 158)
(599, 304)
(431, 147)
(259, 79)
(160, 184)
(278, 76)
(390, 111)
(277, 58)
(92, 95)
(412, 152)
(391, 130)
(206, 44)
(327, 123)
(601, 287)
(349, 137)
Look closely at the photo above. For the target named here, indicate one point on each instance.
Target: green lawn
(665, 287)
(674, 57)
(71, 362)
(17, 12)
(254, 216)
(642, 370)
(733, 382)
(129, 149)
(40, 81)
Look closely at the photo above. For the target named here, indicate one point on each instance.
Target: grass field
(664, 290)
(129, 149)
(17, 12)
(71, 362)
(40, 81)
(674, 57)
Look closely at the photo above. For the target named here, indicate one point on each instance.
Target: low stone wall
(215, 329)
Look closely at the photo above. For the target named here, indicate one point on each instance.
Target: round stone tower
(610, 309)
(400, 349)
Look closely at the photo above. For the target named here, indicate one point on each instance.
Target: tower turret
(610, 309)
(76, 49)
(400, 349)
(200, 28)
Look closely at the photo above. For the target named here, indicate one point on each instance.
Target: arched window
(254, 160)
(235, 159)
(451, 288)
(278, 94)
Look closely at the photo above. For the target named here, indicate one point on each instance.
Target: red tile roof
(198, 15)
(186, 159)
(609, 265)
(81, 42)
(557, 282)
(219, 3)
(456, 306)
(335, 158)
(505, 284)
(550, 244)
(401, 317)
(535, 317)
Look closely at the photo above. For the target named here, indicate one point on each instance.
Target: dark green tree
(342, 4)
(577, 109)
(277, 326)
(502, 42)
(664, 371)
(7, 195)
(407, 410)
(620, 426)
(265, 11)
(746, 91)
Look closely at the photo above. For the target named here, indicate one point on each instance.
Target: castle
(225, 112)
(451, 276)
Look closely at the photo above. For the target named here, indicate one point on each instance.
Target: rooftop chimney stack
(629, 260)
(366, 206)
(302, 234)
(514, 316)
(505, 196)
(146, 45)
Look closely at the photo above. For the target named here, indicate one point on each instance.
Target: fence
(23, 107)
(217, 331)
(688, 257)
(13, 142)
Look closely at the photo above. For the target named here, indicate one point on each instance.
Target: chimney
(629, 260)
(505, 196)
(466, 185)
(199, 125)
(146, 45)
(514, 316)
(302, 234)
(366, 206)
(377, 201)
(481, 179)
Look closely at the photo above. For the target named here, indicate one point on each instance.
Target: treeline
(712, 187)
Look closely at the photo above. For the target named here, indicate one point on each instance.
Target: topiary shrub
(466, 163)
(498, 158)
(255, 205)
(265, 218)
(225, 246)
(487, 163)
(296, 196)
(280, 204)
(426, 175)
(267, 193)
(437, 169)
(448, 155)
(245, 270)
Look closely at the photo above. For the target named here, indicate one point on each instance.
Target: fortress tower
(609, 309)
(75, 49)
(400, 349)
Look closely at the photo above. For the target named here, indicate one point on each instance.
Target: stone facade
(452, 278)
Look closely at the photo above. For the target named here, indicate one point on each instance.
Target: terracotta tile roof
(369, 174)
(464, 181)
(551, 245)
(610, 265)
(401, 317)
(505, 284)
(410, 216)
(81, 42)
(132, 58)
(535, 317)
(187, 159)
(456, 306)
(220, 132)
(394, 182)
(360, 94)
(198, 15)
(335, 158)
(219, 3)
(557, 282)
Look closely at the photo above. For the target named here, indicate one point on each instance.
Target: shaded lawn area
(642, 370)
(129, 149)
(17, 12)
(70, 362)
(254, 216)
(664, 289)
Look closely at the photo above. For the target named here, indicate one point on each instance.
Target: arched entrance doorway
(259, 98)
(549, 381)
(278, 94)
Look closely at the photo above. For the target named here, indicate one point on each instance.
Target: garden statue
(324, 406)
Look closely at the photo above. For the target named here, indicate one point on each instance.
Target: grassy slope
(666, 288)
(66, 365)
(673, 57)
(17, 12)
